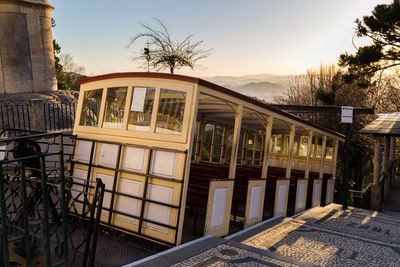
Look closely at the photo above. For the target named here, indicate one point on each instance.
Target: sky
(282, 37)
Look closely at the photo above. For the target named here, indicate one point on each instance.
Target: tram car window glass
(329, 149)
(170, 112)
(206, 148)
(313, 147)
(303, 146)
(319, 148)
(91, 108)
(295, 144)
(275, 147)
(141, 109)
(218, 143)
(115, 107)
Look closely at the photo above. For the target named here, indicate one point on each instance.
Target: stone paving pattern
(323, 236)
(330, 236)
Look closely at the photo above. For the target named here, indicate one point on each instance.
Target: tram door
(143, 186)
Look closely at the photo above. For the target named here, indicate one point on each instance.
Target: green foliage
(327, 98)
(383, 28)
(164, 52)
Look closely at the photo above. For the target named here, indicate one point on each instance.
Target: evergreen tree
(383, 28)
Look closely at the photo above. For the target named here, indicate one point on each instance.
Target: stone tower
(26, 47)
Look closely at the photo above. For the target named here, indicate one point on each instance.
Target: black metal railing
(39, 219)
(49, 116)
(360, 199)
(59, 116)
(15, 116)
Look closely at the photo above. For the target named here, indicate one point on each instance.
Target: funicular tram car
(182, 156)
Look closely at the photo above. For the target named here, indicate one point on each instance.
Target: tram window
(259, 150)
(319, 148)
(229, 146)
(218, 143)
(115, 107)
(250, 148)
(170, 112)
(141, 109)
(241, 148)
(286, 145)
(329, 149)
(254, 148)
(295, 145)
(207, 137)
(91, 108)
(195, 141)
(276, 143)
(303, 146)
(313, 147)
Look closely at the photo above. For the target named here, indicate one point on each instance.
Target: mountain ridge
(264, 86)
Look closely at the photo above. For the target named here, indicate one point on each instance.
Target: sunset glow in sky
(247, 36)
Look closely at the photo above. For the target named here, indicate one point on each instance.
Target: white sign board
(347, 114)
(138, 98)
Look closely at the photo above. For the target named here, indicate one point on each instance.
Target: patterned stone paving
(330, 236)
(227, 255)
(323, 236)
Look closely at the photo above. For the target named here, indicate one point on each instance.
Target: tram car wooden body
(182, 156)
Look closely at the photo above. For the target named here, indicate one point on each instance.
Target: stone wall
(26, 47)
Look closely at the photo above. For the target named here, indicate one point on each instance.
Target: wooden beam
(268, 131)
(377, 160)
(199, 143)
(309, 148)
(224, 145)
(244, 147)
(235, 141)
(323, 152)
(210, 159)
(255, 144)
(334, 159)
(290, 151)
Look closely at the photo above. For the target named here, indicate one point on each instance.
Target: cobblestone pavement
(330, 236)
(323, 236)
(229, 255)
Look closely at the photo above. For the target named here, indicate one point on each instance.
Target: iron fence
(41, 218)
(15, 116)
(44, 116)
(59, 116)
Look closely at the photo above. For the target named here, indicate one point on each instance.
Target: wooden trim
(212, 145)
(224, 228)
(286, 183)
(322, 161)
(334, 160)
(235, 141)
(268, 131)
(309, 146)
(243, 158)
(303, 204)
(261, 184)
(290, 150)
(208, 85)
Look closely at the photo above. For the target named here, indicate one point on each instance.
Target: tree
(163, 52)
(307, 90)
(72, 72)
(383, 28)
(67, 72)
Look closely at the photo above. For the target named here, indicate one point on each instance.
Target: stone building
(26, 47)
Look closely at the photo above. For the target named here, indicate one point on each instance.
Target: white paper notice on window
(138, 98)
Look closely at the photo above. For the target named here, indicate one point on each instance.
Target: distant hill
(265, 86)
